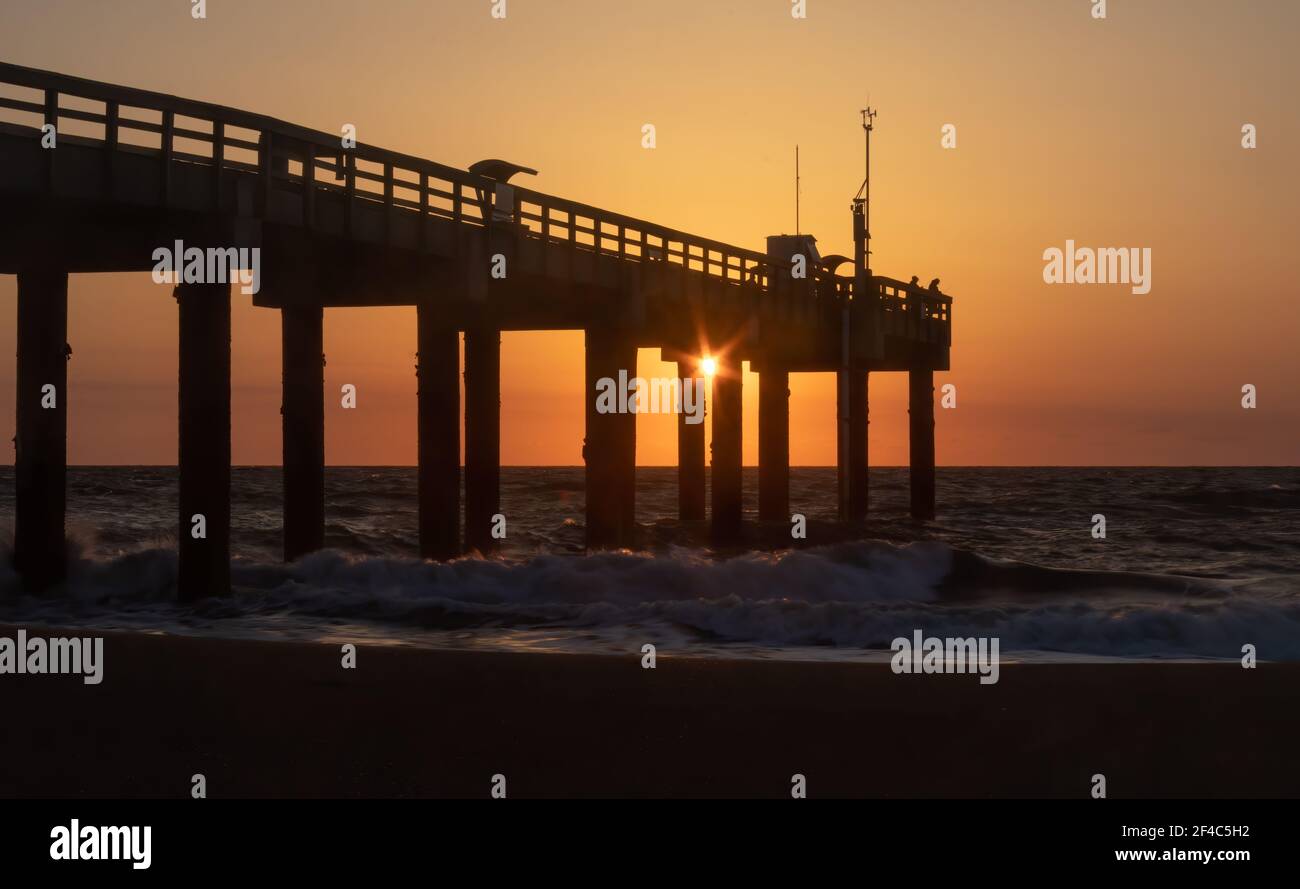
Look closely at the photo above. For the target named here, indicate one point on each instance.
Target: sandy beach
(278, 719)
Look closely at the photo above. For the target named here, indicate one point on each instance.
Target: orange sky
(1122, 132)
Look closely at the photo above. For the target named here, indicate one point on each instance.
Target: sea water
(1195, 564)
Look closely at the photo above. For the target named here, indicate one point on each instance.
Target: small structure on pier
(368, 227)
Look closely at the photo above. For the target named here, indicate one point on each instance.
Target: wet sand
(277, 719)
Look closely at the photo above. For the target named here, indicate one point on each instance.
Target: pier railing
(306, 162)
(303, 160)
(914, 313)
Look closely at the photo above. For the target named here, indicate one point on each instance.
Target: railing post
(218, 158)
(111, 118)
(309, 186)
(388, 203)
(168, 134)
(267, 169)
(424, 210)
(51, 119)
(349, 191)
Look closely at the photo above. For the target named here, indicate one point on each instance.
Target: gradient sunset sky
(1123, 132)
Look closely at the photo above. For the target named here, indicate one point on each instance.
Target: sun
(709, 366)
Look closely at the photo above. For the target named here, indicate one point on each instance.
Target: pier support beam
(773, 444)
(853, 410)
(610, 447)
(690, 448)
(438, 372)
(204, 454)
(40, 463)
(726, 519)
(482, 436)
(920, 385)
(302, 353)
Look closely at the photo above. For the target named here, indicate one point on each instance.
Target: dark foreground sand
(283, 719)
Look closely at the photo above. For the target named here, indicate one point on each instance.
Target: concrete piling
(303, 417)
(41, 458)
(439, 435)
(204, 447)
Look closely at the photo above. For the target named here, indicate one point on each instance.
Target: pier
(476, 253)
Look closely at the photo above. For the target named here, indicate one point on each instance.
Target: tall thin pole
(861, 287)
(868, 123)
(796, 190)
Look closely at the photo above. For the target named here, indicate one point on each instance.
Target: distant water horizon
(1197, 561)
(747, 466)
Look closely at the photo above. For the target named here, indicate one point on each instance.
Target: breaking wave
(844, 599)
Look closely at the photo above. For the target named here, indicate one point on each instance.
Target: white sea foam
(848, 598)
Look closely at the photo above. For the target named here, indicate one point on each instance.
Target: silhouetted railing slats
(20, 105)
(439, 191)
(241, 143)
(144, 126)
(183, 133)
(78, 114)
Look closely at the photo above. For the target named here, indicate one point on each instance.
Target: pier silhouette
(476, 253)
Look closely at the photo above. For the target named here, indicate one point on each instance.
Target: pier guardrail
(300, 159)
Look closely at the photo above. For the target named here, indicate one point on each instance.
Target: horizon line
(709, 468)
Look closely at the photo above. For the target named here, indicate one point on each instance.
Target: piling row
(609, 449)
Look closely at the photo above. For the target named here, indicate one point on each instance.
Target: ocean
(1195, 564)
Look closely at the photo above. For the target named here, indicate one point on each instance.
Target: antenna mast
(861, 288)
(796, 189)
(861, 202)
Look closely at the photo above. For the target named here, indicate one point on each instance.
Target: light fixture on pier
(502, 201)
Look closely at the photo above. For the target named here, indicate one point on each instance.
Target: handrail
(435, 185)
(35, 78)
(467, 190)
(913, 312)
(884, 285)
